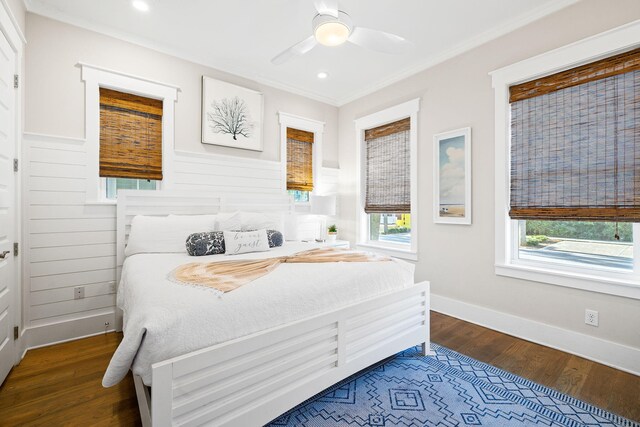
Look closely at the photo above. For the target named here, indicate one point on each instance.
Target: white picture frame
(452, 177)
(231, 115)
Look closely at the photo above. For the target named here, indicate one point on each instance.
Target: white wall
(68, 242)
(55, 94)
(18, 10)
(459, 260)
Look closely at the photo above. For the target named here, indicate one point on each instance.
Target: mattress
(164, 319)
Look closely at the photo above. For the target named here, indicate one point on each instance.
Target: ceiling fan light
(332, 33)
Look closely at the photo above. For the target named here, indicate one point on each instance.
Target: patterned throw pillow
(275, 238)
(207, 243)
(212, 242)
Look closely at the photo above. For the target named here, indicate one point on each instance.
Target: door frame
(11, 30)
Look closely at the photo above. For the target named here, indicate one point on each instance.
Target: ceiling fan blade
(327, 7)
(379, 40)
(296, 50)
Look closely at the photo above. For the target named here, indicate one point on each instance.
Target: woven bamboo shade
(299, 160)
(388, 179)
(130, 136)
(608, 67)
(575, 151)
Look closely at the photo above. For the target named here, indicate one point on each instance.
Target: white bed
(245, 358)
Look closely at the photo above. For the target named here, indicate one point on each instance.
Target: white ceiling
(241, 36)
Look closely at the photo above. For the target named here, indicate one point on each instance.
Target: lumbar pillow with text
(212, 242)
(240, 242)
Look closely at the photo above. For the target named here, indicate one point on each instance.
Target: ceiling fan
(333, 27)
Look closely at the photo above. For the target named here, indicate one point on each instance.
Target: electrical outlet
(591, 317)
(78, 292)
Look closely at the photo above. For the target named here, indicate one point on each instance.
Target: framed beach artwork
(452, 177)
(231, 115)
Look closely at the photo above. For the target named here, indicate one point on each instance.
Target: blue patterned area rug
(447, 389)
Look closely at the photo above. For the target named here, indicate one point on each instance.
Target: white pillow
(260, 220)
(246, 221)
(165, 234)
(240, 242)
(228, 221)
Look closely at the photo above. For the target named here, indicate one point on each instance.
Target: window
(299, 164)
(96, 78)
(112, 185)
(130, 142)
(577, 243)
(573, 160)
(390, 228)
(388, 182)
(387, 143)
(571, 190)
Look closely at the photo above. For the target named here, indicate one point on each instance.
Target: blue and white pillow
(212, 242)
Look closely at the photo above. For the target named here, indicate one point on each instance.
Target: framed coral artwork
(231, 115)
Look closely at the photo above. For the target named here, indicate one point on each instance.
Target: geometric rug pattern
(445, 390)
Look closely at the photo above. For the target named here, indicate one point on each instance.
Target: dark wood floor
(600, 385)
(60, 385)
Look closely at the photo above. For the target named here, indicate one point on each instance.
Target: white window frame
(317, 128)
(96, 77)
(103, 187)
(507, 262)
(389, 115)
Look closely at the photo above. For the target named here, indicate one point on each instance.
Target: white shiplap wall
(69, 242)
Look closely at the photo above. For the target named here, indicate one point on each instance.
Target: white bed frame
(251, 380)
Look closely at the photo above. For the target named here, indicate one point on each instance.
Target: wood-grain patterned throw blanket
(225, 276)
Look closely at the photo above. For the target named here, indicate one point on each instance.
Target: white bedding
(164, 319)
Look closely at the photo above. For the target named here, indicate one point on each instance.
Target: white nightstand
(336, 244)
(327, 244)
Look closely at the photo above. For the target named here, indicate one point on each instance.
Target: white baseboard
(56, 333)
(608, 353)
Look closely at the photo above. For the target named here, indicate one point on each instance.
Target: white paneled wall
(225, 174)
(66, 243)
(69, 242)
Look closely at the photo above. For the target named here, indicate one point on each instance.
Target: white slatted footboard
(252, 380)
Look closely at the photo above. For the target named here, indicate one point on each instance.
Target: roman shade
(575, 143)
(130, 136)
(388, 172)
(299, 160)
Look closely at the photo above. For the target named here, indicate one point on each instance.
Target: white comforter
(165, 319)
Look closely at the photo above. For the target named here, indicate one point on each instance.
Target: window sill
(629, 288)
(388, 250)
(101, 202)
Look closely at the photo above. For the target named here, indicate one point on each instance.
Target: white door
(7, 205)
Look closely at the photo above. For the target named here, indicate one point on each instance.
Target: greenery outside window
(390, 228)
(584, 244)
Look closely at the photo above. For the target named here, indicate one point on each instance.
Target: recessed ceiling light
(141, 5)
(323, 75)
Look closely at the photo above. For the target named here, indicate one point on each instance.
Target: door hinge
(15, 249)
(16, 81)
(16, 334)
(15, 165)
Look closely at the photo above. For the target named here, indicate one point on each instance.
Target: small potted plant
(332, 232)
